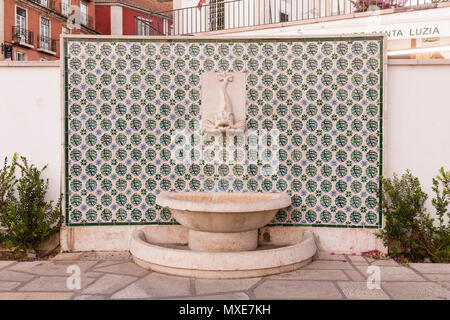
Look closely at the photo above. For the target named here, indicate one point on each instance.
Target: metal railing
(50, 4)
(22, 35)
(152, 25)
(231, 14)
(46, 43)
(66, 9)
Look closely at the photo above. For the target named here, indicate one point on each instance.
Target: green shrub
(441, 202)
(27, 216)
(7, 181)
(409, 231)
(442, 197)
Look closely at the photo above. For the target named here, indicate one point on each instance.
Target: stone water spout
(224, 119)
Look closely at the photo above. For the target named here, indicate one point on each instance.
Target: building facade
(117, 17)
(416, 29)
(30, 29)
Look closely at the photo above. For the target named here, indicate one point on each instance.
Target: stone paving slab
(89, 297)
(107, 275)
(156, 285)
(127, 268)
(205, 286)
(8, 285)
(431, 267)
(294, 289)
(67, 256)
(303, 274)
(35, 295)
(108, 263)
(359, 291)
(328, 265)
(7, 275)
(437, 277)
(108, 284)
(354, 275)
(50, 268)
(326, 255)
(356, 259)
(225, 296)
(4, 264)
(387, 263)
(52, 283)
(92, 274)
(395, 274)
(416, 291)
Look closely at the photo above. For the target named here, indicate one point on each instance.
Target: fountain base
(182, 261)
(223, 242)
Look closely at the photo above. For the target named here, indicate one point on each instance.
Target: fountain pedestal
(223, 242)
(222, 222)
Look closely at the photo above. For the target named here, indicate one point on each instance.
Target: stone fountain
(222, 227)
(222, 221)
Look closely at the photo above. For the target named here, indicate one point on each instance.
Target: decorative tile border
(131, 103)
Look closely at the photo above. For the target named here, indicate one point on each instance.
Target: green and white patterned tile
(313, 127)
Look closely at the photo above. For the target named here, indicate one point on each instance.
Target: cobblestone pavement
(108, 275)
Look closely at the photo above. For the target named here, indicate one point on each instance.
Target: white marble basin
(223, 221)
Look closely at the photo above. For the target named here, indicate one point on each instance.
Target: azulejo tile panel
(133, 113)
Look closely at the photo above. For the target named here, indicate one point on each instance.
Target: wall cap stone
(417, 62)
(56, 63)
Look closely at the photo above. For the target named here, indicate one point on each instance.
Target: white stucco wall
(30, 116)
(416, 130)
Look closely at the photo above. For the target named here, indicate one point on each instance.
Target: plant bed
(29, 223)
(46, 250)
(25, 256)
(410, 234)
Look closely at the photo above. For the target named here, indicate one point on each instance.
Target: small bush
(441, 202)
(7, 182)
(27, 216)
(409, 232)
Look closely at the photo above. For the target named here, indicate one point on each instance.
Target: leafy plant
(441, 202)
(409, 232)
(27, 216)
(7, 182)
(363, 5)
(442, 198)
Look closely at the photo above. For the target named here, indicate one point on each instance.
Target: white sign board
(394, 31)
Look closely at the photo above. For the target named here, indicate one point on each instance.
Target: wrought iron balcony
(231, 14)
(152, 25)
(50, 4)
(66, 9)
(46, 43)
(22, 36)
